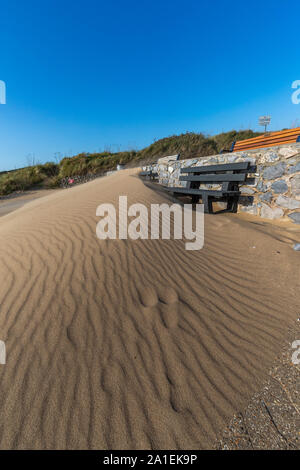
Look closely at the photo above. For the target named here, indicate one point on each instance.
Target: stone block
(295, 185)
(287, 202)
(246, 190)
(294, 168)
(279, 187)
(268, 212)
(267, 197)
(274, 171)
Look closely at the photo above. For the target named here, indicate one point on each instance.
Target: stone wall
(70, 181)
(274, 192)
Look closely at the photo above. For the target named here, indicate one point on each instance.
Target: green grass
(49, 175)
(44, 176)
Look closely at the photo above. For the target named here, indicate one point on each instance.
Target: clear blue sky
(86, 75)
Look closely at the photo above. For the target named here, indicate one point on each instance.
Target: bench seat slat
(267, 139)
(241, 177)
(199, 192)
(281, 134)
(266, 142)
(215, 168)
(264, 145)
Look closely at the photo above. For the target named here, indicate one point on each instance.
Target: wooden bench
(149, 174)
(289, 136)
(230, 175)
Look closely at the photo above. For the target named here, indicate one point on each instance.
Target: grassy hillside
(49, 175)
(191, 145)
(31, 177)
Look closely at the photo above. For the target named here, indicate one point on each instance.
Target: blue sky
(89, 75)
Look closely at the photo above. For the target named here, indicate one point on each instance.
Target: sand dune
(135, 344)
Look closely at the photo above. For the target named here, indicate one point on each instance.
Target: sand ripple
(133, 344)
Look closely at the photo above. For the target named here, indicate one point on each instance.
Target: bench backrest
(273, 139)
(234, 167)
(229, 174)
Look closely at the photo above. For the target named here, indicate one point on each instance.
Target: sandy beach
(122, 344)
(15, 201)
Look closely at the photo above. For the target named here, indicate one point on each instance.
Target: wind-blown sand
(16, 200)
(135, 344)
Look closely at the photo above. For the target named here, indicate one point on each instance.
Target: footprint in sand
(148, 297)
(167, 295)
(168, 306)
(164, 300)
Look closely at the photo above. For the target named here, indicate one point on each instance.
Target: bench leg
(232, 204)
(207, 201)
